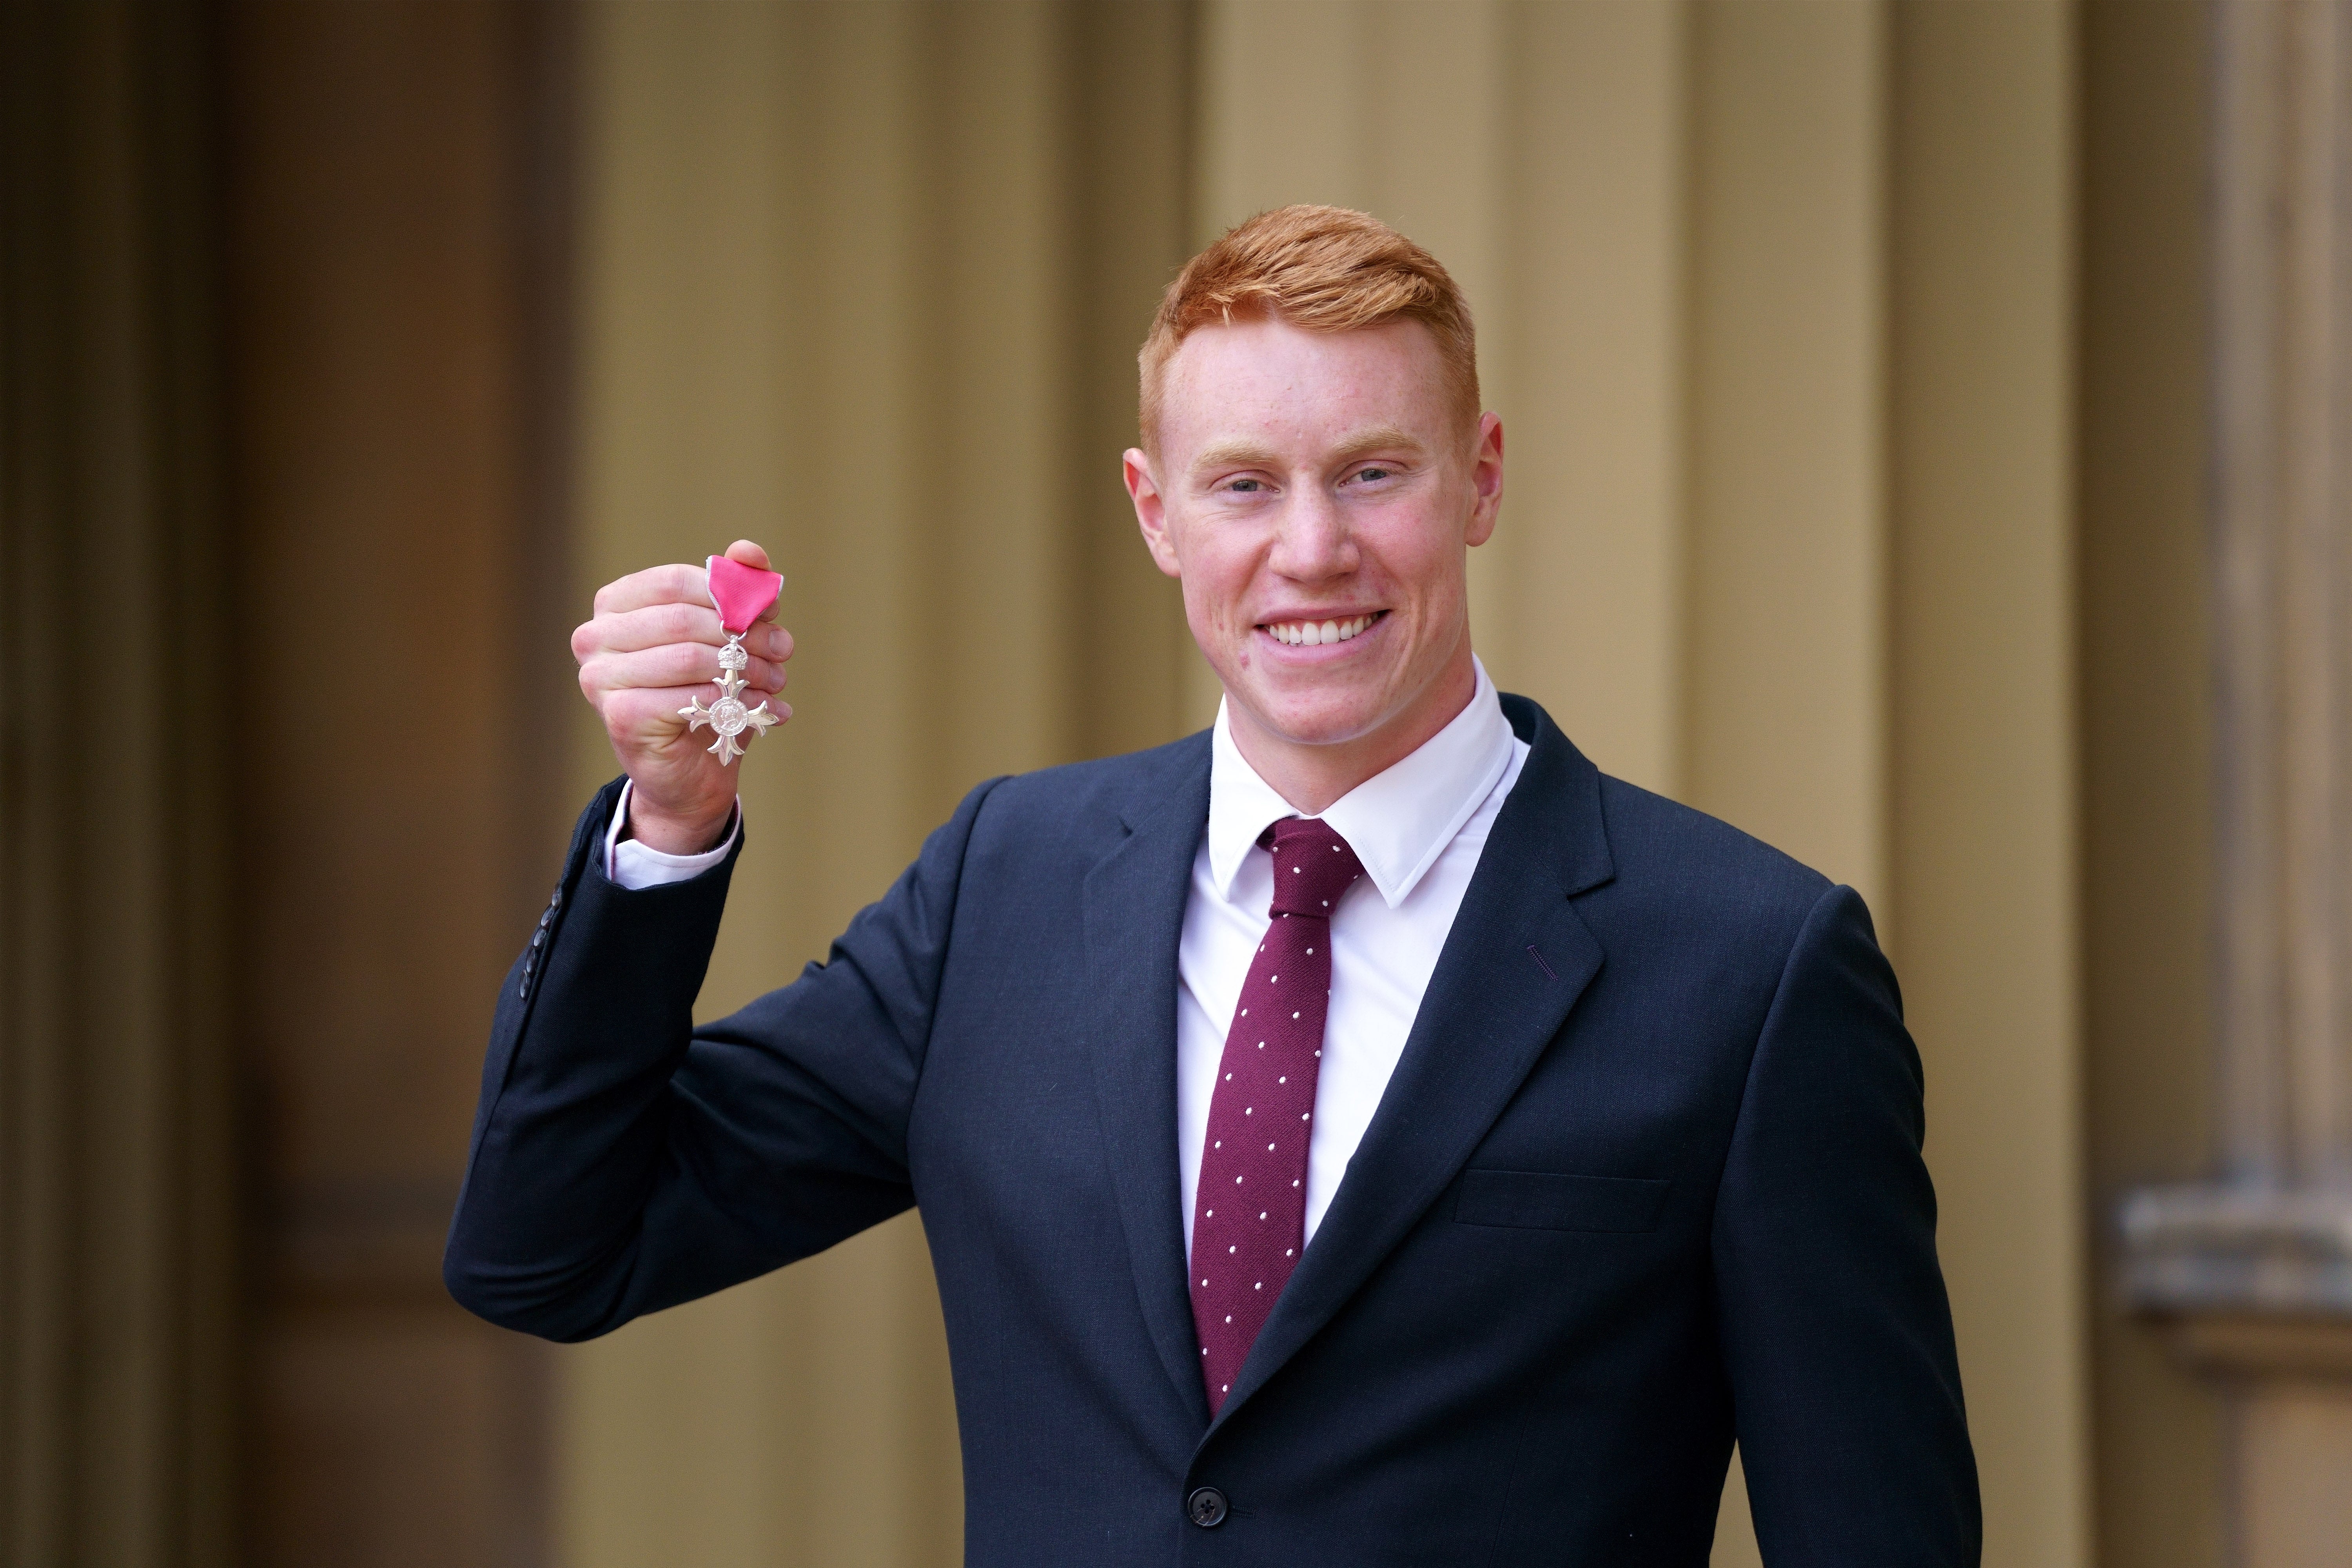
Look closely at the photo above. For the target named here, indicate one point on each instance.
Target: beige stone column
(2252, 1271)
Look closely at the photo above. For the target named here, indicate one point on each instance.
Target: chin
(1314, 721)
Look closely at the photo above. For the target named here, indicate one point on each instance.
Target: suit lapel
(1491, 1008)
(1134, 900)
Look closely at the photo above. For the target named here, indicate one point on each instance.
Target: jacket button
(1206, 1507)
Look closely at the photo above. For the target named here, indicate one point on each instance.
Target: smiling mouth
(1311, 634)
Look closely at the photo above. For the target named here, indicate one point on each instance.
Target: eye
(1245, 486)
(1374, 474)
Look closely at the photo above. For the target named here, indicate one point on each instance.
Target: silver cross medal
(728, 716)
(741, 594)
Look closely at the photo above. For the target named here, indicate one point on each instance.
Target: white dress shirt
(1418, 828)
(632, 865)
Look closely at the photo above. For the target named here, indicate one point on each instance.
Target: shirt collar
(1398, 821)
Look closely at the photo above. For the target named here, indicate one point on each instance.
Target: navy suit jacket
(1647, 1177)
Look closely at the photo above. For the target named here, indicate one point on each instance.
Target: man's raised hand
(652, 647)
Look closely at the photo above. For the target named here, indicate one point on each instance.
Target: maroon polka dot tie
(1249, 1219)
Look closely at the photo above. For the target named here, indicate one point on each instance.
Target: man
(1361, 1134)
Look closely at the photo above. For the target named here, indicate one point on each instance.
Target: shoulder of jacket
(1663, 847)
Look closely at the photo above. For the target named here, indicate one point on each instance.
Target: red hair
(1320, 270)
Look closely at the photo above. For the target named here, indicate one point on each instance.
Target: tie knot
(1312, 867)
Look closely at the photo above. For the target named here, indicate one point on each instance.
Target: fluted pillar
(2251, 1272)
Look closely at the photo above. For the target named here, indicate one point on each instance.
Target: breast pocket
(1548, 1200)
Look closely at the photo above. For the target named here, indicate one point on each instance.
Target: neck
(1311, 775)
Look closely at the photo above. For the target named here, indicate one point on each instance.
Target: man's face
(1316, 494)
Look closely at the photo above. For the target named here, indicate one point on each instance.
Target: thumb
(749, 554)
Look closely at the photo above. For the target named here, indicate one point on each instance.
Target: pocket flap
(1546, 1200)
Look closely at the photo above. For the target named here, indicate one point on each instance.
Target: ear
(1485, 480)
(1151, 509)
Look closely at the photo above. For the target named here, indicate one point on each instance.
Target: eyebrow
(1234, 454)
(1249, 453)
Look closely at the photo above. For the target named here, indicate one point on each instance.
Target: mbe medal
(741, 594)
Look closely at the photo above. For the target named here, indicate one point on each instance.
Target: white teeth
(1314, 634)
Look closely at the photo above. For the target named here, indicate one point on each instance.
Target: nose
(1313, 544)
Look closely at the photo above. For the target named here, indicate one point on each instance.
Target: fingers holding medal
(685, 665)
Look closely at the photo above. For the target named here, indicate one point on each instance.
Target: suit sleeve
(1835, 1329)
(625, 1160)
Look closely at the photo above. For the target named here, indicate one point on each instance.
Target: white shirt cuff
(631, 865)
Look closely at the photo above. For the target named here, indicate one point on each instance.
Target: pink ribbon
(741, 593)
